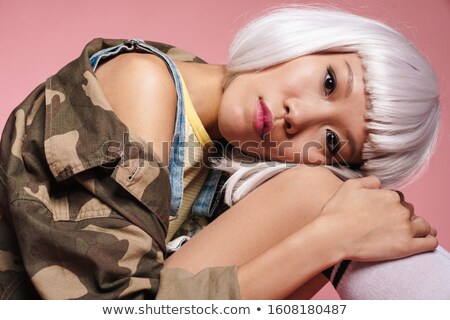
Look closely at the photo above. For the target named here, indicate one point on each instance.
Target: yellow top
(195, 173)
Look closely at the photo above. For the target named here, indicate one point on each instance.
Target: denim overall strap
(176, 162)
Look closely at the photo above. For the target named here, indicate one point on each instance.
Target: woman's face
(308, 110)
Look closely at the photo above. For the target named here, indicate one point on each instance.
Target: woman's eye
(330, 82)
(333, 142)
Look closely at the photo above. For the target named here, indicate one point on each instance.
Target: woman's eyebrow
(349, 79)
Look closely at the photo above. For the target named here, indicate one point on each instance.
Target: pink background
(39, 37)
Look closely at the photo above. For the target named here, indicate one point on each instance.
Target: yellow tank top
(195, 173)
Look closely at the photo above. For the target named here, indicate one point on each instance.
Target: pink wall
(39, 37)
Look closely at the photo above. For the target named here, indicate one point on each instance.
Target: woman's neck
(205, 85)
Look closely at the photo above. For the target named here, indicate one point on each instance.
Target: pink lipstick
(264, 119)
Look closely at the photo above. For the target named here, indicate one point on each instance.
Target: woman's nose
(301, 114)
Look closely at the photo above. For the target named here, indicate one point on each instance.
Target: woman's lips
(264, 119)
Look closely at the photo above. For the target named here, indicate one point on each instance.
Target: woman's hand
(373, 224)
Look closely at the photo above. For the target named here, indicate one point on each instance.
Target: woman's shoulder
(141, 91)
(135, 79)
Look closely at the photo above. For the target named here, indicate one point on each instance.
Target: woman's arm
(334, 241)
(289, 264)
(272, 245)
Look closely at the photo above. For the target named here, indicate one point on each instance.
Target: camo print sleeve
(14, 283)
(84, 202)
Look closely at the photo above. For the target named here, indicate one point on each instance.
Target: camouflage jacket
(76, 221)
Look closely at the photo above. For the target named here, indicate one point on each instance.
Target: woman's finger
(420, 227)
(369, 182)
(427, 243)
(409, 206)
(401, 195)
(405, 203)
(433, 232)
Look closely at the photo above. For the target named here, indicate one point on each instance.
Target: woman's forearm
(359, 222)
(282, 269)
(299, 223)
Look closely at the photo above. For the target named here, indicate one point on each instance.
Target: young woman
(99, 178)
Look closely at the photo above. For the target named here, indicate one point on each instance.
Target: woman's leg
(422, 276)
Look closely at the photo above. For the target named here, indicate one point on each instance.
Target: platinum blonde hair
(403, 109)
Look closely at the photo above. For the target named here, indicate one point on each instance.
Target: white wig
(403, 108)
